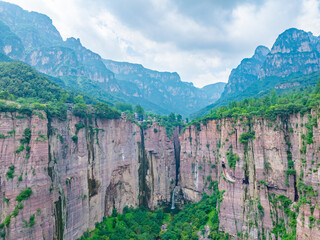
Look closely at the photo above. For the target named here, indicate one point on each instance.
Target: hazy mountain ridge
(35, 41)
(164, 87)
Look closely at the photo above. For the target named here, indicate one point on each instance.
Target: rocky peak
(246, 72)
(294, 52)
(124, 69)
(260, 53)
(294, 40)
(41, 31)
(74, 41)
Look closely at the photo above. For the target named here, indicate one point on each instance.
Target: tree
(273, 97)
(80, 108)
(179, 118)
(138, 109)
(123, 107)
(172, 117)
(102, 110)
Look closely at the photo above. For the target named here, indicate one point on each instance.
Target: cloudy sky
(202, 40)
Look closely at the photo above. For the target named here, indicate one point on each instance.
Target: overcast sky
(202, 40)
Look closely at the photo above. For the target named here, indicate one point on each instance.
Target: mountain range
(32, 38)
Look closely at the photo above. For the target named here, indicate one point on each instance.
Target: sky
(202, 40)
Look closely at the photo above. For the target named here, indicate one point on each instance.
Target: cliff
(78, 172)
(273, 179)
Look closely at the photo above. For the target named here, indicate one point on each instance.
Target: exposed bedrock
(282, 159)
(80, 170)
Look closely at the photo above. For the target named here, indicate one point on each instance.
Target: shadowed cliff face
(79, 170)
(280, 160)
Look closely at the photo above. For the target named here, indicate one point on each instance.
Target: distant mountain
(293, 58)
(162, 87)
(32, 38)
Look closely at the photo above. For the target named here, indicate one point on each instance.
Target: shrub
(79, 126)
(20, 149)
(15, 212)
(7, 220)
(291, 172)
(232, 158)
(246, 137)
(75, 139)
(32, 222)
(24, 195)
(11, 172)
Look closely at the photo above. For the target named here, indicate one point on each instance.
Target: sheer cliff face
(29, 172)
(80, 170)
(249, 206)
(77, 180)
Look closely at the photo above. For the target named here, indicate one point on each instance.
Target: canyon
(79, 170)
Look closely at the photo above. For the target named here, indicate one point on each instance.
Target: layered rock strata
(279, 165)
(79, 171)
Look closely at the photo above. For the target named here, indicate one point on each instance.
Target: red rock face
(161, 174)
(29, 172)
(80, 170)
(77, 180)
(259, 173)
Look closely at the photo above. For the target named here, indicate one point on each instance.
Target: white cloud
(201, 40)
(309, 19)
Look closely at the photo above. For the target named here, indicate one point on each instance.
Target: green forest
(142, 224)
(25, 90)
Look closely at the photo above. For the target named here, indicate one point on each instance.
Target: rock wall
(267, 189)
(79, 171)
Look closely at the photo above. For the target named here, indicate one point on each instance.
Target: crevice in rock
(144, 191)
(49, 134)
(177, 149)
(296, 195)
(90, 146)
(58, 215)
(93, 186)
